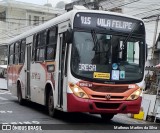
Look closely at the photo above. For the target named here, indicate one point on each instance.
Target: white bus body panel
(38, 72)
(38, 81)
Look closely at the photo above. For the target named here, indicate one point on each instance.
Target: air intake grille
(112, 97)
(109, 89)
(107, 105)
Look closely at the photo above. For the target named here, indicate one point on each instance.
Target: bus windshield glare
(107, 57)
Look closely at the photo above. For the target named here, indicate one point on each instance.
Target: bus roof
(67, 16)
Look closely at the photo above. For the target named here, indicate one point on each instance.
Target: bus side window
(11, 52)
(51, 44)
(11, 59)
(22, 51)
(34, 48)
(40, 46)
(16, 54)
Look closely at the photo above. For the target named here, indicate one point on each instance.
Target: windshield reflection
(108, 56)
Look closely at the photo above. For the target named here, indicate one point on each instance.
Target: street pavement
(6, 97)
(125, 117)
(31, 113)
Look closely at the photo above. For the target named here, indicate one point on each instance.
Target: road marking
(1, 98)
(24, 122)
(4, 112)
(6, 103)
(4, 92)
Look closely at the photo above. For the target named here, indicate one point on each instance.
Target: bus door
(61, 83)
(27, 68)
(61, 69)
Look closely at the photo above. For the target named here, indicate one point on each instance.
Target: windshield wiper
(129, 36)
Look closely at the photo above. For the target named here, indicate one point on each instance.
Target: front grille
(104, 97)
(110, 89)
(107, 105)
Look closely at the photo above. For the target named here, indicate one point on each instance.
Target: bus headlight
(135, 94)
(78, 91)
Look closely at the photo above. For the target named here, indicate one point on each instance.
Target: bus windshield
(107, 57)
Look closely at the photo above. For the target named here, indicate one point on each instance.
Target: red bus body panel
(75, 104)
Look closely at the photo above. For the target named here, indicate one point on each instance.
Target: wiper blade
(130, 34)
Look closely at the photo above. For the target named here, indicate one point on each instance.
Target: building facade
(149, 12)
(17, 17)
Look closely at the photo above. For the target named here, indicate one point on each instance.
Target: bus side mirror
(69, 36)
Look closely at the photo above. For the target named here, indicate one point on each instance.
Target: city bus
(82, 61)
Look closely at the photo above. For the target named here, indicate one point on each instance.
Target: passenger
(102, 51)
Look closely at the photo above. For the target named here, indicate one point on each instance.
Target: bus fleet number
(86, 20)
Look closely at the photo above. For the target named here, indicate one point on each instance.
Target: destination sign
(108, 22)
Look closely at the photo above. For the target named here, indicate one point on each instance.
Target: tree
(60, 5)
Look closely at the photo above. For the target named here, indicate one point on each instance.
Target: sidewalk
(129, 119)
(3, 83)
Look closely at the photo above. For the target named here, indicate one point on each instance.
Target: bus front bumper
(75, 104)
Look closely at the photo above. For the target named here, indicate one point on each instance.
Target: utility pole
(93, 3)
(96, 4)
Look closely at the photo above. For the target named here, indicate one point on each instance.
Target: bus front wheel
(107, 117)
(19, 94)
(51, 110)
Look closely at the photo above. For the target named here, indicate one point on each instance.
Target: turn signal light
(135, 95)
(78, 91)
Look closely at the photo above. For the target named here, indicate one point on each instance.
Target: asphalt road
(31, 113)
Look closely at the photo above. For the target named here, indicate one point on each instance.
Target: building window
(36, 20)
(42, 20)
(29, 21)
(3, 16)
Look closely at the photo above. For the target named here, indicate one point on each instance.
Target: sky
(42, 2)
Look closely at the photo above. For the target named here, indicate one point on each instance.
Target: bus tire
(107, 117)
(19, 94)
(51, 110)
